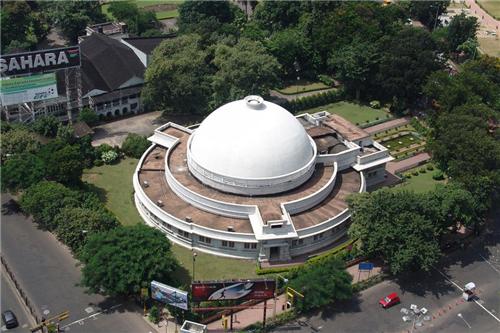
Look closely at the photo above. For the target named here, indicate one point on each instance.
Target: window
(133, 106)
(297, 242)
(124, 100)
(116, 102)
(206, 240)
(318, 236)
(250, 245)
(227, 244)
(184, 233)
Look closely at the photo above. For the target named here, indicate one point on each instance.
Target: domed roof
(251, 138)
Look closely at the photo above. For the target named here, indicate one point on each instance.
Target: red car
(389, 300)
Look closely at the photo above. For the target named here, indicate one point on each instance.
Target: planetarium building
(253, 181)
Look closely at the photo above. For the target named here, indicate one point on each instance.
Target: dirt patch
(160, 8)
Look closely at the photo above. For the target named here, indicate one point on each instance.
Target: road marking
(81, 320)
(475, 301)
(489, 263)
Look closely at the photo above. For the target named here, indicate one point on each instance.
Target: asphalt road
(9, 301)
(437, 292)
(49, 275)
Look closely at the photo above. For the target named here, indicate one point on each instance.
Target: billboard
(28, 89)
(232, 289)
(39, 61)
(169, 295)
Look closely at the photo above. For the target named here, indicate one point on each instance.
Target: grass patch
(402, 141)
(491, 6)
(114, 185)
(490, 46)
(421, 183)
(167, 14)
(152, 5)
(355, 113)
(302, 88)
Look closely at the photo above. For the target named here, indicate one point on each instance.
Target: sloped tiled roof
(107, 63)
(147, 44)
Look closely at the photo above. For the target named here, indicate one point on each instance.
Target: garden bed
(303, 88)
(355, 113)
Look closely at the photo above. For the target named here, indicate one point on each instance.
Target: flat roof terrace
(269, 205)
(152, 171)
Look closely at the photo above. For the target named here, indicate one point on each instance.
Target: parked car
(9, 319)
(389, 300)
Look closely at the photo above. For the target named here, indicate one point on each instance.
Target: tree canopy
(18, 141)
(461, 29)
(63, 162)
(124, 259)
(428, 12)
(138, 20)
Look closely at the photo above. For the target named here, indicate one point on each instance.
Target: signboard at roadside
(232, 289)
(169, 295)
(40, 61)
(365, 266)
(28, 89)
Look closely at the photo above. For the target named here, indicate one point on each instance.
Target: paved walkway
(387, 125)
(250, 316)
(407, 163)
(484, 18)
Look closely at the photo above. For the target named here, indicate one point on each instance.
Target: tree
(88, 115)
(46, 126)
(18, 141)
(45, 199)
(135, 145)
(293, 50)
(73, 225)
(138, 20)
(390, 224)
(73, 16)
(21, 171)
(460, 30)
(428, 12)
(277, 15)
(322, 283)
(63, 162)
(408, 58)
(177, 79)
(355, 65)
(244, 69)
(122, 260)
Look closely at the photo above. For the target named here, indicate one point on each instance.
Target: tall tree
(276, 15)
(428, 12)
(124, 259)
(243, 69)
(138, 20)
(17, 141)
(178, 78)
(21, 171)
(461, 29)
(63, 162)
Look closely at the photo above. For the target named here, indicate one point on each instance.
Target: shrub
(422, 170)
(109, 157)
(438, 175)
(154, 314)
(102, 149)
(407, 175)
(375, 104)
(46, 126)
(89, 116)
(98, 162)
(135, 145)
(430, 167)
(326, 79)
(415, 173)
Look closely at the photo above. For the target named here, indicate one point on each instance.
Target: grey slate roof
(107, 63)
(147, 44)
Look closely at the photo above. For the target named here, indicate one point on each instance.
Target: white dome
(251, 139)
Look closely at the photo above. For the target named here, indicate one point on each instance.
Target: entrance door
(274, 253)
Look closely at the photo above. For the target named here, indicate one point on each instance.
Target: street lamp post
(465, 321)
(194, 260)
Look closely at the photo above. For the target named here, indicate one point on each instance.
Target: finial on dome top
(254, 102)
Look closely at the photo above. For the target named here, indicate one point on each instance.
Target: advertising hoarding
(39, 61)
(169, 295)
(28, 89)
(232, 289)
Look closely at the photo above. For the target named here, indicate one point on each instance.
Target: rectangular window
(224, 243)
(231, 244)
(318, 236)
(124, 100)
(133, 106)
(206, 240)
(116, 102)
(186, 234)
(247, 245)
(253, 246)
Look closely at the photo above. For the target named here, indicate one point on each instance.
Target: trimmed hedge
(313, 101)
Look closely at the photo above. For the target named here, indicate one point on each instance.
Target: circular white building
(253, 181)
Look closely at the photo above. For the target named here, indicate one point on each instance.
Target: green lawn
(491, 6)
(355, 113)
(302, 88)
(167, 14)
(421, 183)
(490, 46)
(151, 5)
(401, 142)
(114, 185)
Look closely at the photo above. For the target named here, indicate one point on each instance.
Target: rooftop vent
(189, 219)
(146, 184)
(254, 102)
(159, 203)
(230, 228)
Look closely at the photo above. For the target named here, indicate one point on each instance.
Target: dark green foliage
(63, 162)
(461, 29)
(45, 199)
(138, 20)
(277, 15)
(21, 171)
(177, 80)
(428, 12)
(18, 141)
(321, 284)
(88, 115)
(313, 101)
(154, 314)
(74, 224)
(46, 126)
(438, 175)
(120, 261)
(135, 145)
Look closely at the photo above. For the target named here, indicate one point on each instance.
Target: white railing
(344, 159)
(372, 157)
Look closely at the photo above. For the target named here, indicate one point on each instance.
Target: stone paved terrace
(347, 182)
(269, 206)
